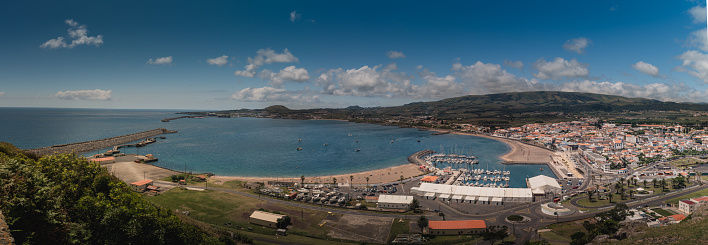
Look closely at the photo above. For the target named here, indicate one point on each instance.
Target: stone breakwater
(93, 145)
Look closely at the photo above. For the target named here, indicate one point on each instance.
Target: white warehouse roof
(398, 199)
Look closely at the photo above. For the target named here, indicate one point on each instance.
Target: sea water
(253, 146)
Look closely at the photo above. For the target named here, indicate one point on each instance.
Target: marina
(464, 173)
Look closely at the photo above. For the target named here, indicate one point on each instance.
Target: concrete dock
(87, 146)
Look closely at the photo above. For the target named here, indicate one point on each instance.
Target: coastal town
(590, 159)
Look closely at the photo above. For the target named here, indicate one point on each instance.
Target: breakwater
(416, 157)
(93, 145)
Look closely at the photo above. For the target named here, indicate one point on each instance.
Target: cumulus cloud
(77, 33)
(515, 64)
(577, 45)
(266, 94)
(265, 56)
(290, 73)
(365, 81)
(560, 68)
(95, 94)
(161, 61)
(698, 14)
(482, 78)
(395, 54)
(659, 91)
(697, 64)
(218, 61)
(698, 39)
(647, 68)
(438, 87)
(294, 16)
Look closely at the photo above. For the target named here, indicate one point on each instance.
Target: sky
(218, 55)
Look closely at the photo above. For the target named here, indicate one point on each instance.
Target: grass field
(217, 208)
(662, 212)
(563, 231)
(688, 196)
(400, 226)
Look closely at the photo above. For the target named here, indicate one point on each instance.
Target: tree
(283, 222)
(351, 179)
(495, 233)
(631, 193)
(302, 180)
(367, 181)
(680, 181)
(673, 183)
(590, 195)
(609, 195)
(618, 187)
(422, 223)
(663, 184)
(653, 182)
(400, 183)
(645, 183)
(415, 204)
(334, 180)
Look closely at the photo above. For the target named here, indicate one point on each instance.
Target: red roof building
(457, 227)
(429, 179)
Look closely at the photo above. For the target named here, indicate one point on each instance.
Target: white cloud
(395, 54)
(482, 78)
(265, 56)
(78, 34)
(577, 45)
(697, 62)
(515, 64)
(560, 68)
(365, 81)
(265, 94)
(290, 73)
(161, 61)
(218, 61)
(647, 68)
(95, 94)
(698, 14)
(2, 93)
(438, 87)
(659, 91)
(294, 16)
(698, 39)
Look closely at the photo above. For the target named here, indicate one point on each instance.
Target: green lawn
(563, 231)
(400, 226)
(688, 196)
(662, 212)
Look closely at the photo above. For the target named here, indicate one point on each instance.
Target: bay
(252, 146)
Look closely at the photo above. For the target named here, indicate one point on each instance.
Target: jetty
(87, 146)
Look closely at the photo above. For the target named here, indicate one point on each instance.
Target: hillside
(512, 109)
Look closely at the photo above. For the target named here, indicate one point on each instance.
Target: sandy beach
(377, 176)
(520, 152)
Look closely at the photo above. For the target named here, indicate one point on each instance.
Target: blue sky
(311, 54)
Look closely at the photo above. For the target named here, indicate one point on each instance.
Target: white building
(473, 194)
(542, 185)
(394, 201)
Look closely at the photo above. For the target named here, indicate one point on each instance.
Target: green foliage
(607, 223)
(495, 232)
(422, 223)
(64, 199)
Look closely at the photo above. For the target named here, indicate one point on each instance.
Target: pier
(93, 145)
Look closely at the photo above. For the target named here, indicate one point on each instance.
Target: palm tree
(351, 179)
(618, 187)
(631, 194)
(302, 180)
(634, 181)
(629, 182)
(422, 223)
(609, 195)
(673, 183)
(401, 180)
(590, 195)
(663, 184)
(645, 183)
(415, 204)
(367, 181)
(335, 181)
(653, 182)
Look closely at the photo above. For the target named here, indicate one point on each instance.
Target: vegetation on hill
(510, 109)
(64, 199)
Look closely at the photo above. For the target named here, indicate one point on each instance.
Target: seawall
(93, 145)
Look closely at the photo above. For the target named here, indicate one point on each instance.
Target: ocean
(252, 146)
